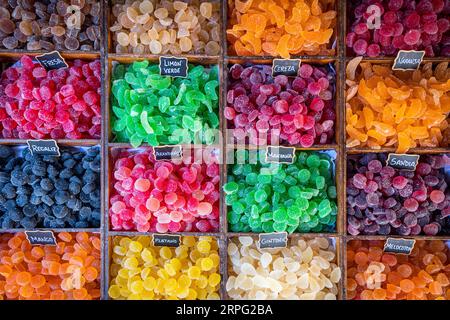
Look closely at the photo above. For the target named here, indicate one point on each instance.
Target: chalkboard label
(272, 240)
(168, 153)
(280, 154)
(165, 240)
(174, 67)
(403, 161)
(52, 61)
(286, 67)
(400, 246)
(43, 147)
(45, 238)
(408, 60)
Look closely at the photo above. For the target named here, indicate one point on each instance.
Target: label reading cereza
(287, 67)
(52, 61)
(43, 147)
(173, 67)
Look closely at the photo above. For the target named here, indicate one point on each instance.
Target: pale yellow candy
(123, 39)
(146, 6)
(155, 47)
(206, 9)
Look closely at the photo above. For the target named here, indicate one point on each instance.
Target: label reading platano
(272, 240)
(173, 67)
(165, 240)
(286, 67)
(403, 161)
(43, 147)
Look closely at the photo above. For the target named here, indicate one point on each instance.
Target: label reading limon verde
(403, 161)
(52, 61)
(173, 67)
(45, 238)
(165, 240)
(408, 60)
(168, 153)
(286, 67)
(43, 147)
(272, 240)
(280, 154)
(399, 245)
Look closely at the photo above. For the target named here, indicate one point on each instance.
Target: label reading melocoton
(168, 153)
(403, 161)
(408, 60)
(286, 67)
(280, 154)
(46, 238)
(165, 240)
(398, 245)
(43, 147)
(272, 240)
(52, 61)
(173, 67)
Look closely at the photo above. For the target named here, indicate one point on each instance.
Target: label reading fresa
(52, 61)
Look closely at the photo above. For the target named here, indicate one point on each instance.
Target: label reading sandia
(403, 161)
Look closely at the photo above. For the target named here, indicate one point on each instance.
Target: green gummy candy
(280, 215)
(231, 187)
(304, 175)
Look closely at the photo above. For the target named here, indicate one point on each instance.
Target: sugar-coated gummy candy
(58, 104)
(383, 200)
(262, 109)
(71, 270)
(141, 271)
(401, 109)
(166, 27)
(267, 197)
(376, 275)
(305, 270)
(281, 28)
(165, 196)
(403, 25)
(50, 191)
(155, 109)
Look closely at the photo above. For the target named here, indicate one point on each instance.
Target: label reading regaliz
(43, 147)
(272, 240)
(286, 67)
(165, 240)
(173, 67)
(52, 61)
(168, 153)
(280, 154)
(46, 238)
(398, 245)
(403, 161)
(408, 60)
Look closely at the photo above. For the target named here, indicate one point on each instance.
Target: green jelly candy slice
(332, 193)
(294, 192)
(303, 176)
(268, 227)
(238, 207)
(260, 196)
(313, 161)
(320, 182)
(280, 215)
(231, 187)
(279, 226)
(267, 216)
(251, 178)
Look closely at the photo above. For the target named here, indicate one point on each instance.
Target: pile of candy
(296, 111)
(270, 197)
(281, 28)
(163, 196)
(148, 107)
(386, 26)
(141, 271)
(167, 27)
(68, 271)
(52, 192)
(402, 109)
(375, 275)
(50, 25)
(305, 270)
(56, 104)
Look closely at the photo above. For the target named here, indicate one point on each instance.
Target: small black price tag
(166, 240)
(45, 238)
(287, 67)
(280, 154)
(52, 61)
(43, 147)
(272, 240)
(173, 67)
(168, 153)
(398, 245)
(408, 60)
(403, 161)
